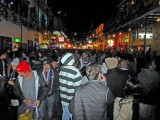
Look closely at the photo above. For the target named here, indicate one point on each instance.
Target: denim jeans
(21, 109)
(66, 115)
(46, 108)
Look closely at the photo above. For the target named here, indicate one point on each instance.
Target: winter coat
(90, 101)
(116, 79)
(150, 80)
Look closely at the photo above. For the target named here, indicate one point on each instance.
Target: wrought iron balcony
(136, 16)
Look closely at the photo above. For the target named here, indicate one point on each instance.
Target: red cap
(23, 66)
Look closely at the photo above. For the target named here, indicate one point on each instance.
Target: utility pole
(145, 31)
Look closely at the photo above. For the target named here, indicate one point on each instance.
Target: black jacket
(9, 88)
(116, 79)
(53, 87)
(150, 80)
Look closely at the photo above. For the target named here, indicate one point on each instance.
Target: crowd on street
(79, 85)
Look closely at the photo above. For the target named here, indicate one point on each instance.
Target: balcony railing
(129, 13)
(28, 18)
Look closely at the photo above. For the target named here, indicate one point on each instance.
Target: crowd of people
(79, 84)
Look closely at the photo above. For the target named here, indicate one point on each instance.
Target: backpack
(123, 108)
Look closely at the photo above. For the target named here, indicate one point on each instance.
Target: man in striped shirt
(70, 78)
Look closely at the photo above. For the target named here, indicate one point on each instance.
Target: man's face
(23, 54)
(54, 64)
(84, 55)
(23, 74)
(78, 55)
(46, 66)
(123, 64)
(14, 67)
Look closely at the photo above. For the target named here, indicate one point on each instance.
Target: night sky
(82, 15)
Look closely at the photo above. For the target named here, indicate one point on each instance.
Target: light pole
(145, 31)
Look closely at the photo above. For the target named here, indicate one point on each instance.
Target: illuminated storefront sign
(53, 37)
(110, 42)
(17, 40)
(148, 35)
(61, 39)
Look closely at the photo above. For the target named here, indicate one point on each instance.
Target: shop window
(141, 33)
(5, 43)
(24, 47)
(134, 35)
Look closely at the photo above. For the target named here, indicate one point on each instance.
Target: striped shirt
(70, 78)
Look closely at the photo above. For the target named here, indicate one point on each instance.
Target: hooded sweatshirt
(70, 78)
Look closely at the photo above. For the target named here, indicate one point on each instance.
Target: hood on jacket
(68, 59)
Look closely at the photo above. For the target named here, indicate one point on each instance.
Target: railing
(131, 13)
(31, 21)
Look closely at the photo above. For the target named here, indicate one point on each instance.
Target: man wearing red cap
(30, 88)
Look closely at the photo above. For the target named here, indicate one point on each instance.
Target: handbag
(123, 108)
(27, 115)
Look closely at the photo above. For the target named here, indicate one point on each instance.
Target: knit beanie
(23, 66)
(68, 59)
(111, 62)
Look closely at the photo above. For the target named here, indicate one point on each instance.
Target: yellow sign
(53, 37)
